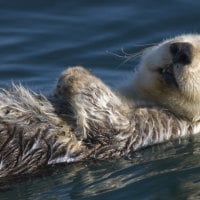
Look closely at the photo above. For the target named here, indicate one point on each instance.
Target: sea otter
(84, 119)
(168, 75)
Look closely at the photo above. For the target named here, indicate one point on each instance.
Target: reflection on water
(39, 39)
(169, 171)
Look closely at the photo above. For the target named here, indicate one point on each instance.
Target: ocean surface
(39, 39)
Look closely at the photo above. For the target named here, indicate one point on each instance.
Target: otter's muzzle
(181, 52)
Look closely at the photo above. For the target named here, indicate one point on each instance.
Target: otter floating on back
(85, 119)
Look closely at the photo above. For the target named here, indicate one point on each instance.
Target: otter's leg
(96, 108)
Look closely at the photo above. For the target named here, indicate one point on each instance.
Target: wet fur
(94, 122)
(83, 119)
(32, 134)
(109, 124)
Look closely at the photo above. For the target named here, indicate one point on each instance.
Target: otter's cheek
(153, 87)
(161, 57)
(182, 75)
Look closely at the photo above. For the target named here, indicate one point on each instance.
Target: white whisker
(115, 54)
(130, 56)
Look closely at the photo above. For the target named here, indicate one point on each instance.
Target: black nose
(181, 52)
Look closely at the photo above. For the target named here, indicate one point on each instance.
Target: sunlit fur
(84, 119)
(108, 124)
(147, 85)
(35, 132)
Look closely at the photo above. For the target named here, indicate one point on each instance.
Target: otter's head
(169, 76)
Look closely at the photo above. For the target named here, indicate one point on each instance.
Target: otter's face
(169, 75)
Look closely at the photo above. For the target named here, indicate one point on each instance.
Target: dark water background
(38, 39)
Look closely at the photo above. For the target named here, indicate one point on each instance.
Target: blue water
(39, 39)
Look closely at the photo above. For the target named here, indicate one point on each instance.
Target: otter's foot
(96, 108)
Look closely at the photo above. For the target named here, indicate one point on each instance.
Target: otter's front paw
(77, 86)
(72, 81)
(93, 104)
